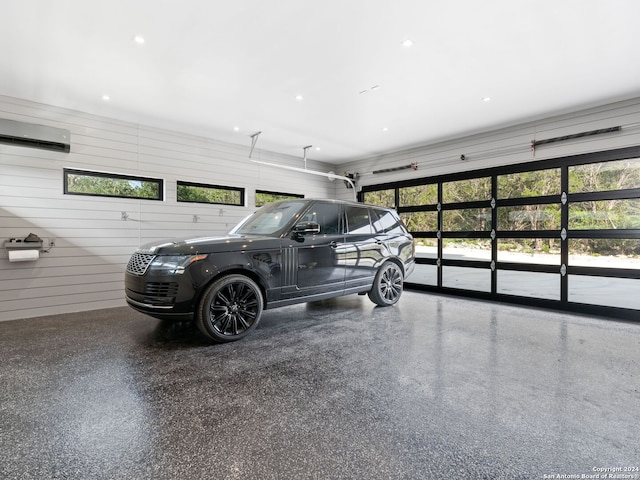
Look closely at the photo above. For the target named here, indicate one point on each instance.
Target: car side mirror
(306, 228)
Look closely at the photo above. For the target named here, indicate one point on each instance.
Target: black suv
(286, 252)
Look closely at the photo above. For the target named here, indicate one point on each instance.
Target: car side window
(385, 221)
(327, 215)
(358, 220)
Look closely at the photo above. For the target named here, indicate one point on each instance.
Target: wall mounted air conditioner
(34, 136)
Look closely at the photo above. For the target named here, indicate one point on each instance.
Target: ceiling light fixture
(139, 39)
(486, 99)
(408, 43)
(236, 129)
(385, 129)
(106, 98)
(299, 98)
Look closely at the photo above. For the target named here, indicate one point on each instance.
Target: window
(327, 215)
(419, 195)
(385, 221)
(80, 182)
(467, 190)
(469, 219)
(263, 197)
(358, 220)
(529, 217)
(605, 176)
(529, 184)
(421, 221)
(200, 193)
(383, 198)
(563, 230)
(613, 214)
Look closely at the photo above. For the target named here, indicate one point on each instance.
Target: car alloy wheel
(230, 308)
(387, 286)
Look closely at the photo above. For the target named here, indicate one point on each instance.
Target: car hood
(195, 246)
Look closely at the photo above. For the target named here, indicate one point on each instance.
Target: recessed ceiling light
(375, 87)
(385, 129)
(317, 149)
(486, 99)
(407, 43)
(236, 129)
(106, 98)
(299, 98)
(139, 39)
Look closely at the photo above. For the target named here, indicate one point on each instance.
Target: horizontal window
(382, 198)
(424, 275)
(605, 176)
(200, 193)
(610, 292)
(529, 217)
(478, 279)
(419, 195)
(529, 284)
(426, 247)
(470, 190)
(421, 221)
(609, 214)
(468, 219)
(529, 250)
(529, 184)
(80, 182)
(604, 252)
(475, 249)
(263, 197)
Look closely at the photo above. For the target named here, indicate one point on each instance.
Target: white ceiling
(207, 66)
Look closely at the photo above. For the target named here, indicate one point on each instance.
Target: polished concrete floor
(435, 387)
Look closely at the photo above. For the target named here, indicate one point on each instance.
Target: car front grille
(139, 262)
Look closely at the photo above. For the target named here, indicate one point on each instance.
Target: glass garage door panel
(419, 195)
(529, 217)
(469, 190)
(605, 176)
(477, 279)
(478, 249)
(384, 198)
(467, 220)
(529, 184)
(545, 251)
(605, 214)
(605, 253)
(424, 275)
(610, 292)
(529, 284)
(420, 221)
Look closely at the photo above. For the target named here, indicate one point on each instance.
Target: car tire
(230, 308)
(387, 286)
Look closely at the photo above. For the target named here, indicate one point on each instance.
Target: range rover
(286, 252)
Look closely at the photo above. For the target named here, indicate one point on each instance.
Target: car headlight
(173, 264)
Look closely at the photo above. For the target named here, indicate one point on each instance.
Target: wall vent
(34, 136)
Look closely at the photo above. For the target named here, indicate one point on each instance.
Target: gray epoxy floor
(435, 387)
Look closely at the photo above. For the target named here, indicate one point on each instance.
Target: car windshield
(269, 219)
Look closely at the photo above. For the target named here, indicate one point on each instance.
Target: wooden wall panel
(85, 268)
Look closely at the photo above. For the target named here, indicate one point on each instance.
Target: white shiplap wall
(84, 270)
(506, 146)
